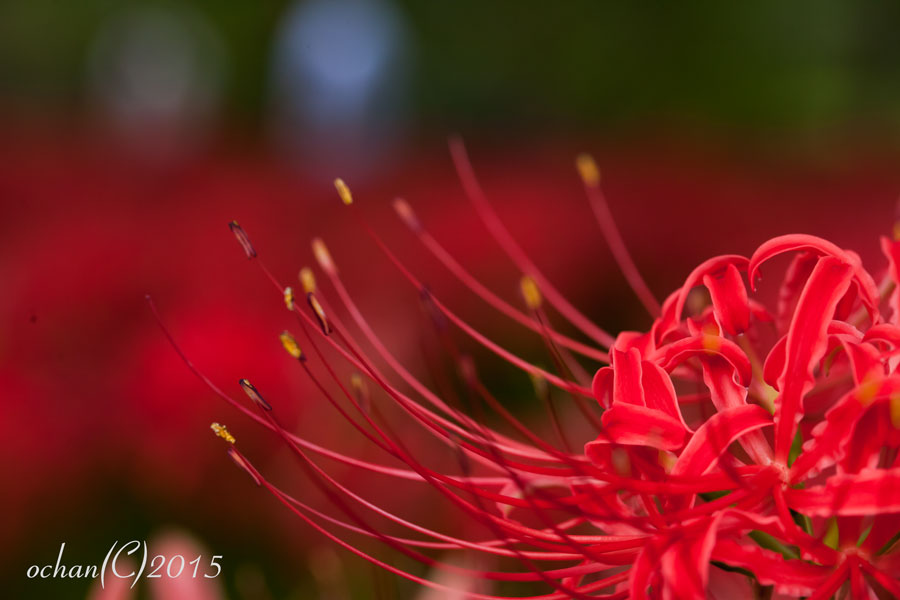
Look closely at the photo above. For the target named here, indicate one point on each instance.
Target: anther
(361, 391)
(530, 292)
(222, 432)
(323, 257)
(253, 394)
(319, 312)
(588, 170)
(405, 212)
(242, 238)
(540, 385)
(343, 191)
(289, 298)
(307, 280)
(290, 345)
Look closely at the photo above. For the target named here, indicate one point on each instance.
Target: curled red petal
(641, 572)
(774, 365)
(633, 425)
(872, 433)
(726, 394)
(731, 305)
(798, 241)
(674, 305)
(712, 438)
(891, 250)
(884, 332)
(602, 386)
(627, 340)
(685, 564)
(627, 388)
(794, 279)
(806, 343)
(830, 437)
(865, 362)
(659, 393)
(707, 345)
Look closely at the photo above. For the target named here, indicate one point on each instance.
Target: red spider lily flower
(744, 447)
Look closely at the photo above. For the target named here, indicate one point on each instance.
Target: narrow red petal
(869, 493)
(729, 298)
(806, 341)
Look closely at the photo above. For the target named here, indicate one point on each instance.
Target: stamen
(343, 191)
(512, 249)
(530, 292)
(456, 320)
(419, 412)
(590, 175)
(361, 390)
(323, 257)
(405, 212)
(290, 344)
(319, 312)
(399, 473)
(588, 170)
(222, 432)
(307, 280)
(242, 238)
(254, 394)
(289, 298)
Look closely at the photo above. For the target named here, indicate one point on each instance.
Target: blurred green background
(759, 67)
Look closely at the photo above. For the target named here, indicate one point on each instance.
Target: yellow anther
(222, 432)
(667, 460)
(867, 390)
(361, 392)
(530, 292)
(539, 383)
(897, 231)
(254, 394)
(343, 191)
(588, 170)
(405, 212)
(307, 280)
(358, 384)
(323, 257)
(712, 343)
(291, 345)
(319, 312)
(289, 298)
(711, 328)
